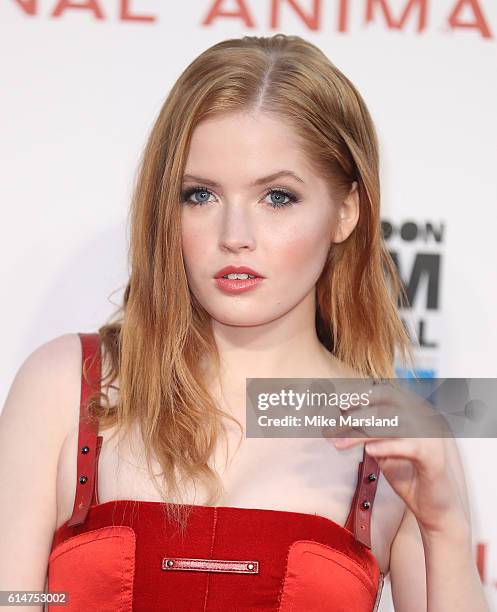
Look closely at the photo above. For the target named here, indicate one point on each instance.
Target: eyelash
(187, 193)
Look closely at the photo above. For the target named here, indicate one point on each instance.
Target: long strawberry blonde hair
(154, 340)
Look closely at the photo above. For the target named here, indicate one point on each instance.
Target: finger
(350, 442)
(376, 422)
(421, 452)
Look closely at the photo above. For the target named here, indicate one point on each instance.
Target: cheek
(302, 247)
(193, 241)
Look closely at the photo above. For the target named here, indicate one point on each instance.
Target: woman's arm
(431, 572)
(453, 582)
(33, 425)
(435, 534)
(407, 567)
(440, 534)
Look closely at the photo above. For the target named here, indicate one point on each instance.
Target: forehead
(245, 144)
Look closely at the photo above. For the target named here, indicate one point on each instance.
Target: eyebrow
(260, 181)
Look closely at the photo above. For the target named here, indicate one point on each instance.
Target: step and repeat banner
(83, 80)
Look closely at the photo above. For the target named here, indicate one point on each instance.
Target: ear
(347, 215)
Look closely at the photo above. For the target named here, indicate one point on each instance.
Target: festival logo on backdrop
(416, 248)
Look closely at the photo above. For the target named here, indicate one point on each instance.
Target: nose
(236, 230)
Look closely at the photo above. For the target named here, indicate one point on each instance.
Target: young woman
(262, 162)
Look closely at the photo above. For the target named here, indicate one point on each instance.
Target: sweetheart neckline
(285, 512)
(160, 503)
(334, 524)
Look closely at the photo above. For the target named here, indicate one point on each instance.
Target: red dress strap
(359, 518)
(89, 443)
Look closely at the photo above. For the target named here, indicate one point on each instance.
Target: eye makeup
(281, 192)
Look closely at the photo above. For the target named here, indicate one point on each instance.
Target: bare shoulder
(50, 375)
(42, 406)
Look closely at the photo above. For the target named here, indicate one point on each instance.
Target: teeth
(238, 276)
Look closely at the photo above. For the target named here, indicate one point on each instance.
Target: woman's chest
(299, 475)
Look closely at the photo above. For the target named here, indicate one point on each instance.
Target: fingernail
(341, 442)
(373, 447)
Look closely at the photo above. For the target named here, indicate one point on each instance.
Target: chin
(239, 321)
(238, 318)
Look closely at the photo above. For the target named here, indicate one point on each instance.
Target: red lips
(237, 270)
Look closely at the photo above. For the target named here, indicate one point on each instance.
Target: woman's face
(231, 216)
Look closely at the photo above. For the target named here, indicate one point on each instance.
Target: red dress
(122, 555)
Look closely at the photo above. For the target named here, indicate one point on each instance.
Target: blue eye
(187, 193)
(279, 194)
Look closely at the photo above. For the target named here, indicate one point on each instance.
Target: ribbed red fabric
(124, 555)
